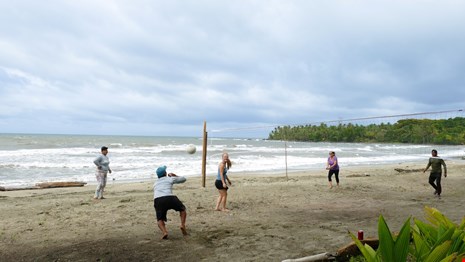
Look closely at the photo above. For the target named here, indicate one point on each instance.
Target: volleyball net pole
(204, 154)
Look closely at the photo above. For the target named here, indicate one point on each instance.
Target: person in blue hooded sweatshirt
(164, 200)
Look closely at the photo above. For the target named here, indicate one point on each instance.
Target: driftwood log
(343, 254)
(60, 184)
(43, 185)
(401, 170)
(316, 258)
(358, 175)
(14, 188)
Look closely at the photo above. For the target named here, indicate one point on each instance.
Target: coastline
(273, 217)
(62, 158)
(277, 172)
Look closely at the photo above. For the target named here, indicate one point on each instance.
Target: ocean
(26, 159)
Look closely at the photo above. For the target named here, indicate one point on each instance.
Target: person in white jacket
(164, 200)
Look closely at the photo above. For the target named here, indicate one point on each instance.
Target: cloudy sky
(163, 67)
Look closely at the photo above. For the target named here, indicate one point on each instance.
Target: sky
(162, 68)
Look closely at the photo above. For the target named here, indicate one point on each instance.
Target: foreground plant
(441, 240)
(390, 248)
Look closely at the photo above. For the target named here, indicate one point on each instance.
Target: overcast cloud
(164, 67)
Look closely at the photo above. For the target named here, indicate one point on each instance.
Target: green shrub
(439, 240)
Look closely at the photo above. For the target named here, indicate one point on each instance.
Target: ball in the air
(191, 149)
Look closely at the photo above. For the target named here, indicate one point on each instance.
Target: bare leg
(183, 215)
(330, 182)
(223, 202)
(218, 202)
(161, 225)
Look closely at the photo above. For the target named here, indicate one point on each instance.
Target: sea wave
(38, 158)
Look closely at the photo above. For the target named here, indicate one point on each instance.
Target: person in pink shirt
(333, 168)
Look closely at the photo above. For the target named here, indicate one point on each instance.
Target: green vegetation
(439, 240)
(414, 131)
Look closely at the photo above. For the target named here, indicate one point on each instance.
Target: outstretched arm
(177, 179)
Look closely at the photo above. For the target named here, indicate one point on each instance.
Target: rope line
(336, 121)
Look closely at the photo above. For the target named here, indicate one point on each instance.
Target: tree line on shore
(413, 131)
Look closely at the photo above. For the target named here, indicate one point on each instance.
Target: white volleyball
(191, 149)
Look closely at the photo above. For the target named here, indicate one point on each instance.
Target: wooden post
(204, 154)
(285, 152)
(285, 158)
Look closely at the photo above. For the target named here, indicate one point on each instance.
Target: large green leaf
(449, 258)
(444, 234)
(458, 233)
(386, 243)
(428, 232)
(421, 249)
(436, 218)
(458, 244)
(401, 245)
(372, 252)
(438, 253)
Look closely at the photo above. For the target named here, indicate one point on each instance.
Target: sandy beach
(272, 217)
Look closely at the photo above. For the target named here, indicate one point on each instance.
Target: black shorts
(219, 185)
(163, 204)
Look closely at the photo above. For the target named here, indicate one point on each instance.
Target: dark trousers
(436, 177)
(336, 174)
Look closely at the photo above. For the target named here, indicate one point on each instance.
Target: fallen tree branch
(316, 258)
(43, 185)
(401, 170)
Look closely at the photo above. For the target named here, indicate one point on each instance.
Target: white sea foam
(27, 159)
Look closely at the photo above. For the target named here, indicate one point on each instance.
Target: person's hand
(230, 183)
(99, 167)
(109, 171)
(224, 185)
(445, 174)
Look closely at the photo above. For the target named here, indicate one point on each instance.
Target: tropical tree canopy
(413, 131)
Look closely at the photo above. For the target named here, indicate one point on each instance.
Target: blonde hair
(228, 162)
